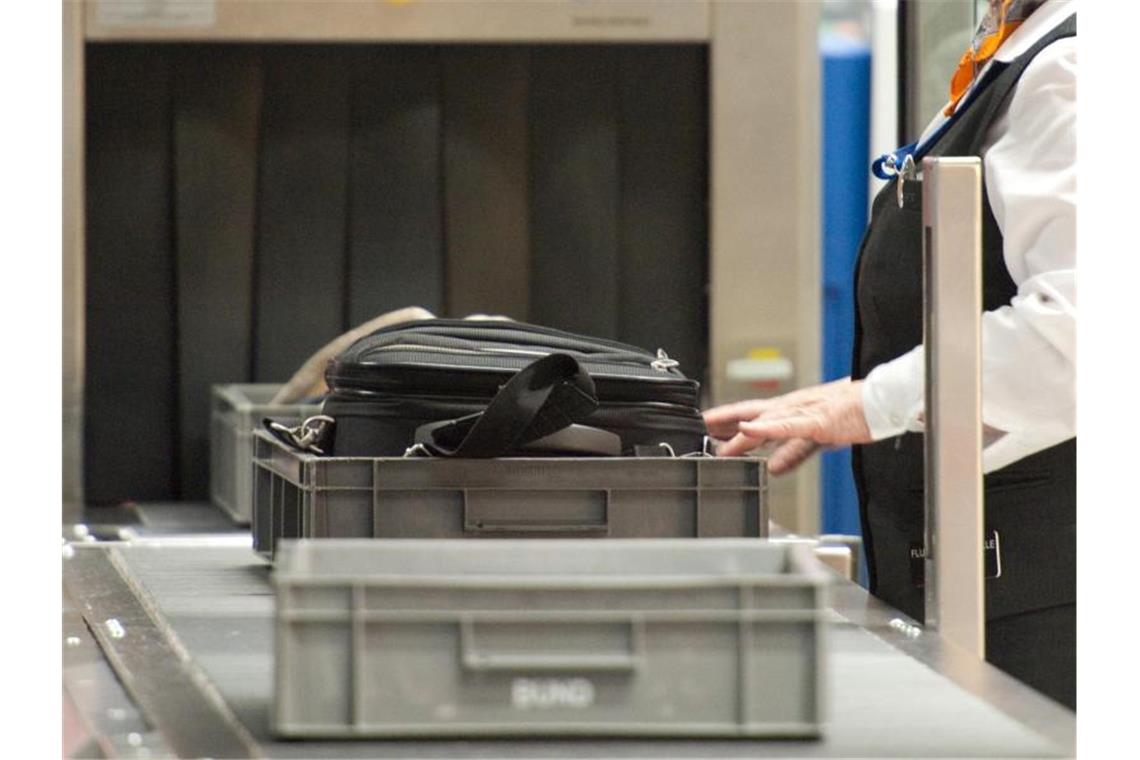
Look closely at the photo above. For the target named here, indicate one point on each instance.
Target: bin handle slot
(475, 501)
(475, 659)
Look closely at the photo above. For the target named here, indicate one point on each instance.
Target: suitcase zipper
(677, 407)
(503, 330)
(457, 351)
(483, 382)
(662, 363)
(437, 331)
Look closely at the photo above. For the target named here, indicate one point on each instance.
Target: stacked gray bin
(379, 638)
(298, 495)
(236, 411)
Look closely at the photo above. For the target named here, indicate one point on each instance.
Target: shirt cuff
(893, 395)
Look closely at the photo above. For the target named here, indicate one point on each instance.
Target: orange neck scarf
(1003, 18)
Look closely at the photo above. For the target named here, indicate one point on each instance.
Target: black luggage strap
(542, 398)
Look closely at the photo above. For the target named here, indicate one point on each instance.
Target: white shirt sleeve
(1029, 345)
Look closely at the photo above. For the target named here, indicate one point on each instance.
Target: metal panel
(952, 307)
(764, 255)
(422, 21)
(100, 720)
(171, 692)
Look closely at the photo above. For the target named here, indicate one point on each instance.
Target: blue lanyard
(893, 161)
(888, 164)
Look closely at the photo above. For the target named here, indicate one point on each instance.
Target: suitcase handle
(547, 395)
(624, 661)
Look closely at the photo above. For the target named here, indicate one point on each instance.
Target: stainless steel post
(952, 297)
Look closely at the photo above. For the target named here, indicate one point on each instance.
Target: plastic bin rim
(306, 456)
(632, 582)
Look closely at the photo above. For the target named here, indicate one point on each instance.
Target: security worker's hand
(797, 423)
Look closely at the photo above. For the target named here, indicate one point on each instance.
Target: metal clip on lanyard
(901, 161)
(899, 164)
(906, 172)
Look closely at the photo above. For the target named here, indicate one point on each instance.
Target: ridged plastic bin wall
(389, 638)
(298, 495)
(236, 410)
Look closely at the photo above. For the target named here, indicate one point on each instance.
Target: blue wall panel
(846, 86)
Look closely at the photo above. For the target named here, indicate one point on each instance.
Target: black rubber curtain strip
(485, 91)
(131, 378)
(395, 248)
(217, 102)
(574, 189)
(245, 205)
(663, 250)
(301, 207)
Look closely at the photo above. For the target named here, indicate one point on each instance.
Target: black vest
(1031, 504)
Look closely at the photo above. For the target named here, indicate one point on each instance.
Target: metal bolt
(115, 628)
(134, 739)
(68, 551)
(80, 530)
(73, 641)
(905, 628)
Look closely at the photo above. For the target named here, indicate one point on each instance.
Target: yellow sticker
(766, 352)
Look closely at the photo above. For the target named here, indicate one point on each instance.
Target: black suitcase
(499, 385)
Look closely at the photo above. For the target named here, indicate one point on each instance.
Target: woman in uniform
(1012, 103)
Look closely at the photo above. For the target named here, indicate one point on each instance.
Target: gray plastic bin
(236, 411)
(511, 637)
(299, 495)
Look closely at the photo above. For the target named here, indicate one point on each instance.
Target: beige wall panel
(764, 268)
(406, 20)
(73, 242)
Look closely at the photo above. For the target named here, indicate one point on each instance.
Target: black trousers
(1038, 648)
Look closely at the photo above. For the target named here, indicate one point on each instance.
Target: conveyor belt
(215, 603)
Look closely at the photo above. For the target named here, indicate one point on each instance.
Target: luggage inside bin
(395, 380)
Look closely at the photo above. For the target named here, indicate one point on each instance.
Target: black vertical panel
(217, 101)
(486, 181)
(396, 223)
(664, 224)
(301, 207)
(131, 386)
(574, 189)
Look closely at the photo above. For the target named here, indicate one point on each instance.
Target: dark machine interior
(246, 204)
